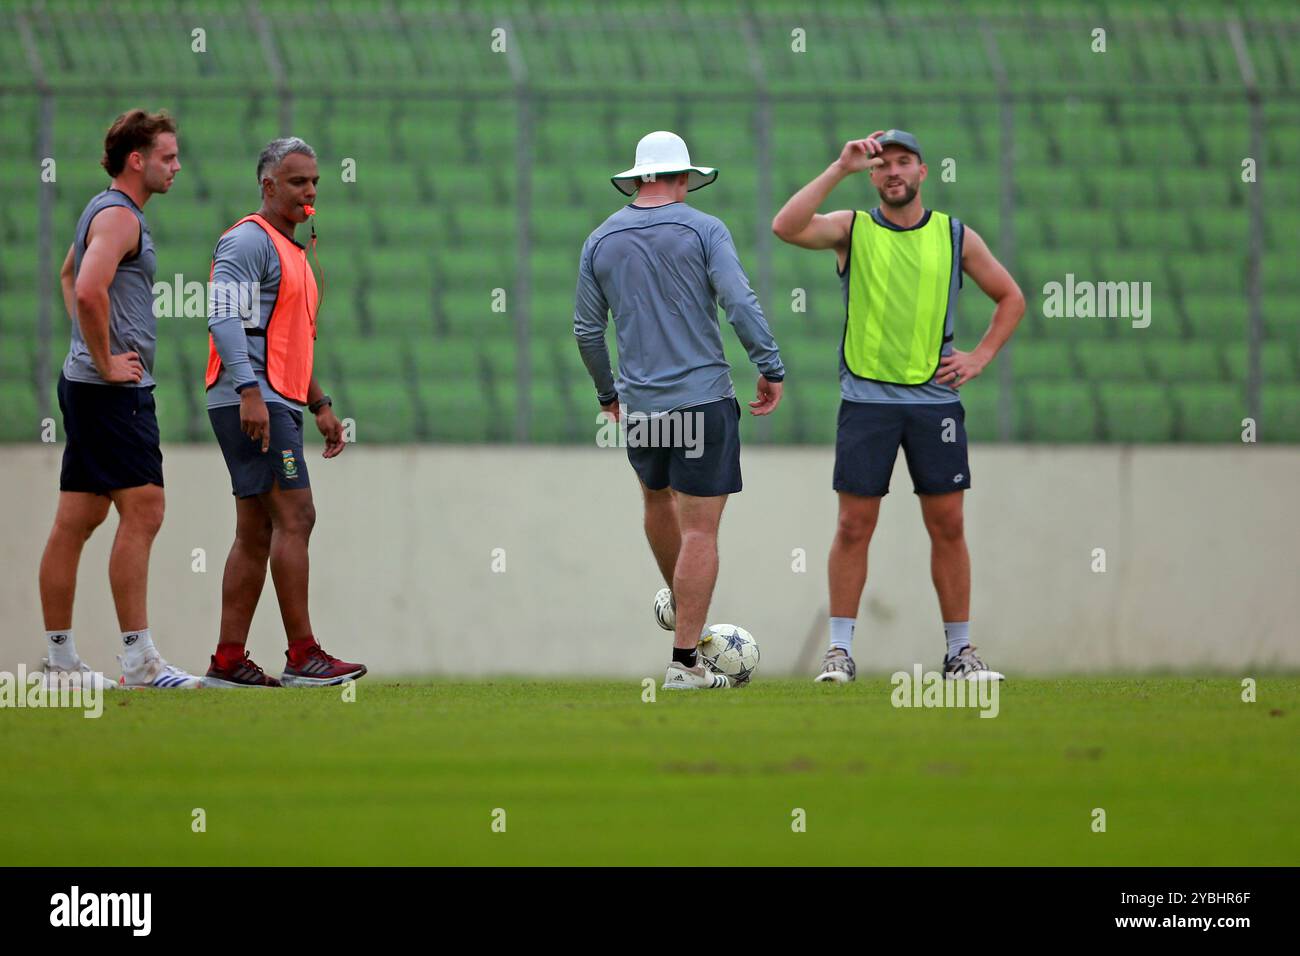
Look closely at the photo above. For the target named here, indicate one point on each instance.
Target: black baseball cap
(901, 137)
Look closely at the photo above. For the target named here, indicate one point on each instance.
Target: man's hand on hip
(960, 367)
(123, 369)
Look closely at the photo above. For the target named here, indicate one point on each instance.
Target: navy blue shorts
(933, 438)
(112, 437)
(695, 450)
(251, 471)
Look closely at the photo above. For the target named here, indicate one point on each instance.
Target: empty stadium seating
(1123, 166)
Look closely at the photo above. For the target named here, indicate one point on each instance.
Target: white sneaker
(699, 677)
(966, 665)
(156, 673)
(52, 678)
(666, 610)
(837, 667)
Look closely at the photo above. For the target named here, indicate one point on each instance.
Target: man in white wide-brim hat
(662, 267)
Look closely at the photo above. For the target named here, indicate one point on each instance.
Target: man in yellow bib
(901, 267)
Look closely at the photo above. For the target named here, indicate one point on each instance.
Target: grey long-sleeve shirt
(245, 263)
(663, 271)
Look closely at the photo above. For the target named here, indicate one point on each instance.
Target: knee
(81, 527)
(297, 521)
(699, 539)
(946, 529)
(254, 539)
(144, 517)
(855, 529)
(658, 503)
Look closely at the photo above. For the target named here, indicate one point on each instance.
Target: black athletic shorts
(693, 450)
(251, 471)
(933, 438)
(112, 437)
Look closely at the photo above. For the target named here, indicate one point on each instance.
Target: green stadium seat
(1218, 273)
(1141, 413)
(372, 358)
(1217, 318)
(178, 420)
(1281, 317)
(557, 418)
(981, 401)
(817, 404)
(808, 359)
(1209, 412)
(21, 420)
(400, 310)
(1084, 229)
(1280, 417)
(1064, 412)
(1035, 360)
(384, 411)
(1188, 361)
(1278, 361)
(1157, 229)
(1122, 360)
(452, 413)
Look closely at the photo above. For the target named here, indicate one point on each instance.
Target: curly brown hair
(133, 131)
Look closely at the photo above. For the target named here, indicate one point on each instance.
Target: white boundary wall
(1202, 567)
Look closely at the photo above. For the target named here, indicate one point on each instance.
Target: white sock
(61, 650)
(842, 633)
(136, 647)
(958, 635)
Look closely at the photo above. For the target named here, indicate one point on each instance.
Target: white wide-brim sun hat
(659, 154)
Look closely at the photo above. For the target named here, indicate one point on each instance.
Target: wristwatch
(320, 403)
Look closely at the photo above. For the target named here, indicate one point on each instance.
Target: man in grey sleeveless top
(111, 453)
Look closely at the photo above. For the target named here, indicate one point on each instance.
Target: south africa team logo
(290, 463)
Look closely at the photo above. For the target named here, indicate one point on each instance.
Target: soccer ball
(731, 650)
(665, 609)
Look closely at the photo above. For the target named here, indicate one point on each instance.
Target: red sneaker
(243, 673)
(315, 668)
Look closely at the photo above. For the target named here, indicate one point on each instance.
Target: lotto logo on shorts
(290, 463)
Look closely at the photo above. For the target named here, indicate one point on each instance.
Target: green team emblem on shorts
(290, 463)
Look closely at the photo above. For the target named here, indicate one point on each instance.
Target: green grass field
(410, 773)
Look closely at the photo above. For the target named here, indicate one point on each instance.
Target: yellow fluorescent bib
(899, 283)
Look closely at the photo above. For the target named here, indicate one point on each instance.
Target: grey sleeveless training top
(132, 326)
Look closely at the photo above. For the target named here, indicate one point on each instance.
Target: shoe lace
(965, 660)
(837, 658)
(319, 653)
(248, 662)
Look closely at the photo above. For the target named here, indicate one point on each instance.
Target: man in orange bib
(262, 318)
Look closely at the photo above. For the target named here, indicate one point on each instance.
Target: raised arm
(799, 223)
